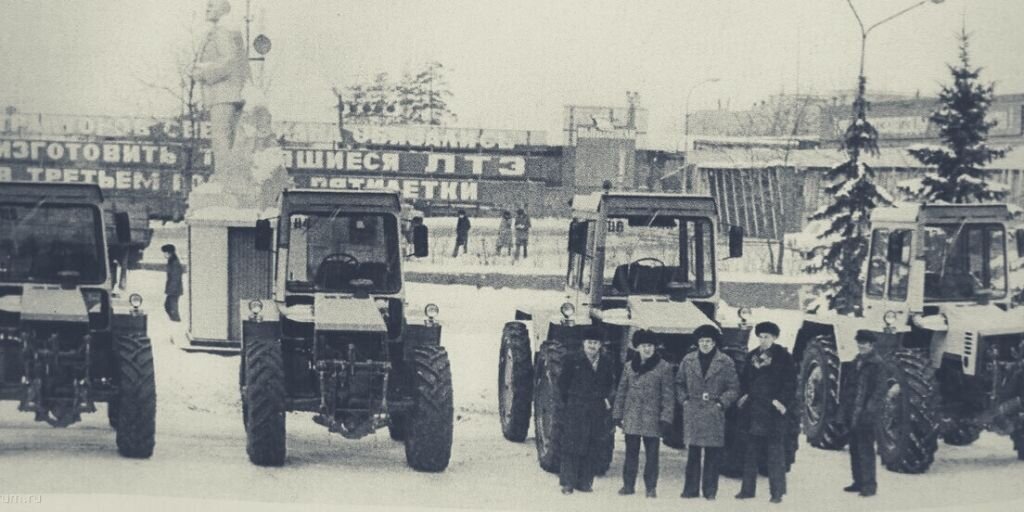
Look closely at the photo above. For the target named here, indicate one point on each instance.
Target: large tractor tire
(547, 404)
(396, 427)
(241, 392)
(960, 433)
(113, 412)
(136, 401)
(428, 426)
(907, 424)
(515, 382)
(264, 402)
(818, 395)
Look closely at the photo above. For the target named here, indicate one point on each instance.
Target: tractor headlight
(431, 310)
(743, 313)
(135, 300)
(567, 310)
(255, 307)
(890, 318)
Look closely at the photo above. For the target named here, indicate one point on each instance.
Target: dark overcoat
(174, 271)
(704, 420)
(767, 376)
(861, 400)
(585, 416)
(645, 398)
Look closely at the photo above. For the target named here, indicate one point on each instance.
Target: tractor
(66, 342)
(636, 261)
(937, 297)
(337, 339)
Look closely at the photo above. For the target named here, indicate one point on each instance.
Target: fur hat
(707, 331)
(644, 336)
(767, 328)
(865, 336)
(168, 248)
(592, 332)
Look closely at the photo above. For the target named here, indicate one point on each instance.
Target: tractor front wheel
(264, 402)
(135, 405)
(1018, 442)
(547, 404)
(515, 382)
(428, 426)
(960, 433)
(818, 395)
(907, 426)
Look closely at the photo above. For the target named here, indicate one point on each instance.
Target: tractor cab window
(46, 243)
(963, 261)
(659, 254)
(877, 265)
(339, 251)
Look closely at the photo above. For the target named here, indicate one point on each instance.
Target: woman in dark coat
(706, 385)
(587, 386)
(644, 405)
(769, 389)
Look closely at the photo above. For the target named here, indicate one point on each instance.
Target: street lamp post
(686, 116)
(859, 102)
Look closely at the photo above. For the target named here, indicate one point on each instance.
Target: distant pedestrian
(461, 233)
(706, 385)
(644, 405)
(861, 402)
(504, 233)
(522, 232)
(173, 287)
(769, 386)
(586, 385)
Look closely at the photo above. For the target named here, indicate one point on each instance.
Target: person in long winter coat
(523, 226)
(462, 226)
(860, 404)
(644, 405)
(706, 385)
(173, 286)
(504, 233)
(769, 388)
(587, 387)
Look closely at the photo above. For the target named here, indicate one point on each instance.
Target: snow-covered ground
(200, 459)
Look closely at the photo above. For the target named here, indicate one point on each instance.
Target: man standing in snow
(173, 286)
(522, 232)
(860, 405)
(461, 233)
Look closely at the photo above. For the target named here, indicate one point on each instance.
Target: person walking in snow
(522, 232)
(462, 226)
(173, 286)
(644, 405)
(706, 385)
(504, 233)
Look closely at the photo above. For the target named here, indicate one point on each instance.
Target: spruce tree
(854, 194)
(960, 176)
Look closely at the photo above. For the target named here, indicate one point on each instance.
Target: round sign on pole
(261, 44)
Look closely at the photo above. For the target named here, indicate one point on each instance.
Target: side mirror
(122, 227)
(1020, 243)
(735, 241)
(264, 235)
(894, 252)
(420, 241)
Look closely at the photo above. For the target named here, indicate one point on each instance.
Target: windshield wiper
(949, 242)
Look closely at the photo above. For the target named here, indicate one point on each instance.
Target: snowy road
(200, 458)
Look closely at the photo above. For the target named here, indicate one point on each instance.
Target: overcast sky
(513, 64)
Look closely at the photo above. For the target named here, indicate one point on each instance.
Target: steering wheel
(635, 281)
(343, 259)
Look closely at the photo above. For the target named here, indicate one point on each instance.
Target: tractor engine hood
(51, 303)
(662, 315)
(989, 319)
(348, 314)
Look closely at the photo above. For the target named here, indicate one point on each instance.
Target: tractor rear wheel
(1018, 442)
(547, 405)
(818, 395)
(113, 411)
(264, 402)
(136, 401)
(428, 426)
(960, 433)
(515, 382)
(907, 426)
